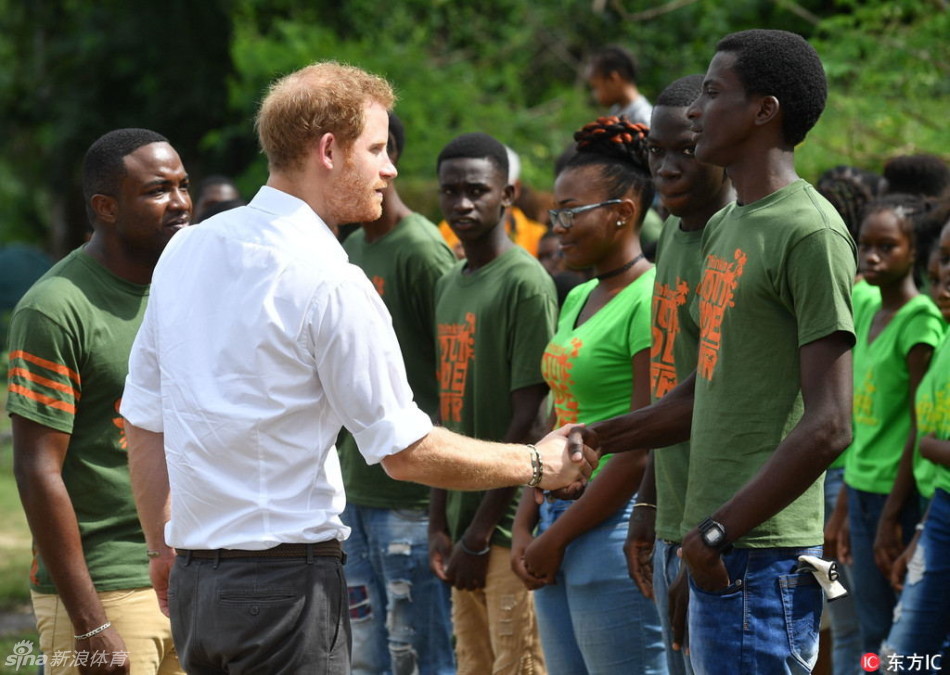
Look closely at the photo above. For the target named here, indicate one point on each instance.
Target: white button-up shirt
(260, 340)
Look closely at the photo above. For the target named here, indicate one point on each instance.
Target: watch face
(713, 536)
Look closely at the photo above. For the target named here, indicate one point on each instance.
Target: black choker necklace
(619, 270)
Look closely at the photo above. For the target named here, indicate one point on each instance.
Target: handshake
(568, 456)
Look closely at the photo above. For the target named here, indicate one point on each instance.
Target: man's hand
(567, 463)
(888, 544)
(466, 571)
(107, 647)
(899, 568)
(440, 549)
(159, 569)
(678, 596)
(542, 558)
(638, 548)
(705, 565)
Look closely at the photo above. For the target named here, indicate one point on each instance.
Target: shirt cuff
(142, 408)
(394, 433)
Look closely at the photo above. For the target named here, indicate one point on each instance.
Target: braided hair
(619, 148)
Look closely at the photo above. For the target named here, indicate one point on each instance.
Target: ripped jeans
(399, 610)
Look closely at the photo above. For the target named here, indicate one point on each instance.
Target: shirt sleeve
(142, 398)
(44, 382)
(925, 327)
(532, 325)
(820, 274)
(640, 327)
(361, 369)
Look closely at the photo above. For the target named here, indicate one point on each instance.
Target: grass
(15, 542)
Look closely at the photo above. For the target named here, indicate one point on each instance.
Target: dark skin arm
(888, 544)
(641, 533)
(822, 434)
(522, 534)
(613, 488)
(466, 571)
(38, 456)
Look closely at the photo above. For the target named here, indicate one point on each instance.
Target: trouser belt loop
(309, 554)
(217, 559)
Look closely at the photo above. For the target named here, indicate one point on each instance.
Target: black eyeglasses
(565, 217)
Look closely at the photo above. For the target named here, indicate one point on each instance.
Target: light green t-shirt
(777, 275)
(491, 329)
(70, 339)
(404, 266)
(881, 415)
(588, 368)
(933, 407)
(673, 359)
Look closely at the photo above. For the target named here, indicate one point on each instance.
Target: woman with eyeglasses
(591, 616)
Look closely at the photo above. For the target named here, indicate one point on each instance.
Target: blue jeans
(845, 628)
(766, 619)
(666, 565)
(922, 617)
(400, 611)
(594, 620)
(873, 595)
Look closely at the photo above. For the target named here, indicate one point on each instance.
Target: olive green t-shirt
(404, 266)
(672, 359)
(70, 339)
(491, 329)
(777, 275)
(881, 415)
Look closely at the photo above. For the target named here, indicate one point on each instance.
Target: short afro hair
(924, 175)
(103, 167)
(781, 64)
(397, 136)
(615, 59)
(682, 92)
(476, 146)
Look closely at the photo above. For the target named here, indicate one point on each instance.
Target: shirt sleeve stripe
(49, 365)
(45, 400)
(39, 379)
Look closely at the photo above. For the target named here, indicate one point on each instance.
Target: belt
(331, 549)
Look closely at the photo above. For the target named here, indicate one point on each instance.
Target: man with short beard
(235, 397)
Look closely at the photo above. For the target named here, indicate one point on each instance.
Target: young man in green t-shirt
(691, 192)
(495, 312)
(399, 610)
(769, 405)
(70, 339)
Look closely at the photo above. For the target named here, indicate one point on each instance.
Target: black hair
(476, 146)
(215, 179)
(781, 64)
(103, 167)
(849, 190)
(924, 175)
(615, 59)
(618, 147)
(397, 136)
(682, 92)
(216, 208)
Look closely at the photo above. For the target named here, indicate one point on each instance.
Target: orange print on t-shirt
(666, 326)
(556, 365)
(716, 292)
(380, 284)
(456, 349)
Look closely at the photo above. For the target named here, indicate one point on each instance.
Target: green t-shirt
(933, 407)
(70, 339)
(404, 266)
(777, 275)
(673, 359)
(491, 330)
(881, 415)
(588, 368)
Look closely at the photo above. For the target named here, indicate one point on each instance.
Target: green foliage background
(512, 68)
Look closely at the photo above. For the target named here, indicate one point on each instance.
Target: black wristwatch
(714, 535)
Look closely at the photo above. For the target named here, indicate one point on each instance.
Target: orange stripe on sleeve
(49, 365)
(52, 384)
(45, 400)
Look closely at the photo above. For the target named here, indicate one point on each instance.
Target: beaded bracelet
(537, 467)
(94, 631)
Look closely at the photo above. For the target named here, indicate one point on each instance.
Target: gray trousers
(267, 616)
